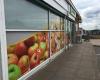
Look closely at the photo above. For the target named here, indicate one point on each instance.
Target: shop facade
(33, 33)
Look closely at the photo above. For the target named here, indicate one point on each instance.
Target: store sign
(70, 16)
(73, 12)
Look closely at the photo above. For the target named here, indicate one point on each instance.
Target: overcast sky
(90, 12)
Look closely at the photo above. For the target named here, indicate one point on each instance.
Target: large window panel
(62, 23)
(21, 14)
(0, 64)
(25, 51)
(55, 41)
(54, 21)
(66, 33)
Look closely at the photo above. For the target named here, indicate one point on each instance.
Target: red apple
(20, 49)
(24, 63)
(30, 41)
(12, 59)
(32, 49)
(40, 37)
(39, 51)
(45, 36)
(34, 61)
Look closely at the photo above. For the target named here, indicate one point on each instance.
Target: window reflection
(21, 14)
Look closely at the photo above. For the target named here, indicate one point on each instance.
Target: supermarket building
(49, 24)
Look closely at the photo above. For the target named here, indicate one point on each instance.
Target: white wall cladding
(63, 3)
(70, 16)
(57, 5)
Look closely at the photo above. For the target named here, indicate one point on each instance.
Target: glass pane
(66, 26)
(21, 14)
(54, 22)
(0, 64)
(26, 50)
(62, 24)
(69, 31)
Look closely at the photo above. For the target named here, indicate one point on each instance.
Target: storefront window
(25, 51)
(66, 26)
(21, 14)
(66, 33)
(54, 22)
(69, 30)
(62, 23)
(0, 64)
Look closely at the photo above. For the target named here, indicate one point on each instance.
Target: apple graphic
(32, 49)
(12, 59)
(10, 49)
(14, 72)
(24, 64)
(53, 45)
(36, 37)
(39, 51)
(30, 41)
(45, 36)
(40, 37)
(35, 60)
(47, 44)
(20, 49)
(43, 45)
(46, 54)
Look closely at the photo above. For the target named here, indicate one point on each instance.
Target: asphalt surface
(77, 63)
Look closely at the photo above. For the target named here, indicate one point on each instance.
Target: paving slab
(77, 63)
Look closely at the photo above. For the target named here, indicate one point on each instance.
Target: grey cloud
(90, 12)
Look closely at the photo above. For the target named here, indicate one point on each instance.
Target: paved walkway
(78, 63)
(95, 42)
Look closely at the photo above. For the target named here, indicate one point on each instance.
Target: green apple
(14, 72)
(43, 45)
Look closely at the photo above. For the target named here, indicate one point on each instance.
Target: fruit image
(42, 45)
(41, 37)
(30, 41)
(10, 49)
(53, 45)
(46, 54)
(39, 51)
(47, 45)
(32, 49)
(35, 36)
(12, 59)
(24, 63)
(14, 72)
(34, 61)
(20, 49)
